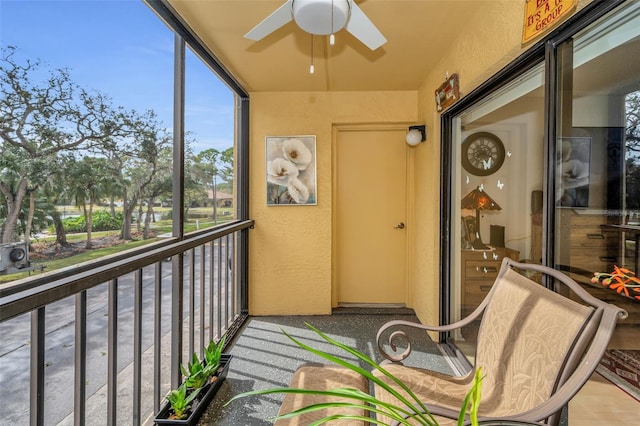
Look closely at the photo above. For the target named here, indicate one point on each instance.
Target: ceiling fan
(321, 17)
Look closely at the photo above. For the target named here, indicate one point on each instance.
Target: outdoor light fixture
(416, 135)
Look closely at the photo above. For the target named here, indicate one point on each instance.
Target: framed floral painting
(291, 170)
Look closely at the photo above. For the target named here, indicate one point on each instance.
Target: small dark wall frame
(482, 154)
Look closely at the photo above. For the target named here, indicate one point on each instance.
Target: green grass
(72, 210)
(165, 226)
(52, 265)
(94, 254)
(160, 227)
(74, 238)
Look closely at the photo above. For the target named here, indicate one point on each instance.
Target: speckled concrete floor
(263, 357)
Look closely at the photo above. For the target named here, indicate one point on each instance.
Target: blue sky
(120, 48)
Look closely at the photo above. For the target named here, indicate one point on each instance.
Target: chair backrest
(532, 340)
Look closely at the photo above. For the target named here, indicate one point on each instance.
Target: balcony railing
(116, 330)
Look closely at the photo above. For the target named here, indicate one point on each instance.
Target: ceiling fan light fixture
(321, 17)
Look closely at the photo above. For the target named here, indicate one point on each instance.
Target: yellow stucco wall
(291, 247)
(290, 257)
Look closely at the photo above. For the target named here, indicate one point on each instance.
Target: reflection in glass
(598, 152)
(497, 191)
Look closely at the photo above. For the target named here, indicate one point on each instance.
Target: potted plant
(202, 379)
(196, 376)
(213, 356)
(180, 401)
(414, 409)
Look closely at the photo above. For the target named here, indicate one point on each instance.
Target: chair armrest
(399, 334)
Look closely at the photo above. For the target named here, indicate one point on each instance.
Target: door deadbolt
(399, 226)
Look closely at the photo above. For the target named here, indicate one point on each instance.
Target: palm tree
(88, 180)
(208, 162)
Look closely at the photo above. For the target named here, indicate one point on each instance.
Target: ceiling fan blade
(277, 19)
(363, 29)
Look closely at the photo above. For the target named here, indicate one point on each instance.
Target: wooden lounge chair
(536, 347)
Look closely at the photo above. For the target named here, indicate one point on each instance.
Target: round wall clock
(482, 153)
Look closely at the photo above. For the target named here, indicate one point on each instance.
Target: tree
(88, 182)
(40, 120)
(161, 185)
(19, 178)
(226, 168)
(144, 161)
(52, 191)
(207, 161)
(632, 125)
(632, 182)
(632, 146)
(117, 156)
(193, 188)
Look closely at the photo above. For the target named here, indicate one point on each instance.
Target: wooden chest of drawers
(479, 271)
(585, 247)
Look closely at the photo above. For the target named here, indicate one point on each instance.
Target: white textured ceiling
(418, 34)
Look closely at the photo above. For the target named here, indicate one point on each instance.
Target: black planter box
(200, 403)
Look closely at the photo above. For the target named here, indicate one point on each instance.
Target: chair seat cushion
(321, 377)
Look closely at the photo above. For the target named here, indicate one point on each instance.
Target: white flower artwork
(291, 170)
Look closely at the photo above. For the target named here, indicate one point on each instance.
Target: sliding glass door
(497, 188)
(597, 168)
(543, 164)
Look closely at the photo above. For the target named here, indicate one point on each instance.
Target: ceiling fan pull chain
(332, 37)
(312, 68)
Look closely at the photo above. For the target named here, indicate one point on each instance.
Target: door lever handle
(399, 226)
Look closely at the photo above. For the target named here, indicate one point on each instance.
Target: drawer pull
(595, 236)
(611, 259)
(489, 269)
(485, 288)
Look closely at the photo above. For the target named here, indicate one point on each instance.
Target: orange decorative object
(622, 280)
